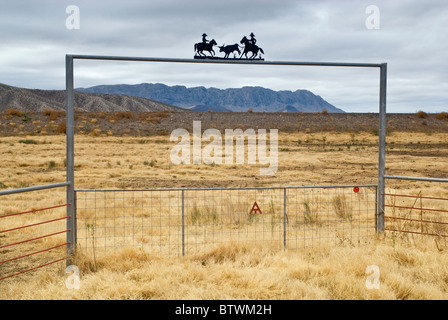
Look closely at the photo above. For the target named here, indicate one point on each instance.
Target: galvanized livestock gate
(193, 220)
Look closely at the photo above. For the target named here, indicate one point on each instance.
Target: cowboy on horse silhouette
(250, 46)
(205, 46)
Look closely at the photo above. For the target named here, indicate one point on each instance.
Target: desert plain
(133, 152)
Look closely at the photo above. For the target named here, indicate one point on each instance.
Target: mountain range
(257, 99)
(38, 100)
(159, 97)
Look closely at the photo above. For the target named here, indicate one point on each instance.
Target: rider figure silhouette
(204, 41)
(252, 39)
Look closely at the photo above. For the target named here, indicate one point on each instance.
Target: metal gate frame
(197, 217)
(69, 78)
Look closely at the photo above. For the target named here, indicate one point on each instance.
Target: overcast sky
(410, 35)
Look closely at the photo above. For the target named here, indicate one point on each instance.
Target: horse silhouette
(249, 47)
(200, 47)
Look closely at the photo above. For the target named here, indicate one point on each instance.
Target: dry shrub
(10, 112)
(162, 133)
(153, 118)
(53, 114)
(62, 128)
(163, 114)
(101, 115)
(325, 111)
(95, 132)
(442, 116)
(47, 112)
(422, 114)
(118, 115)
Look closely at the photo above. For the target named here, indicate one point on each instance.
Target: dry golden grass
(410, 268)
(241, 271)
(304, 159)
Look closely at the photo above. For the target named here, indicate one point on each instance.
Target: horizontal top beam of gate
(35, 188)
(230, 188)
(229, 61)
(416, 178)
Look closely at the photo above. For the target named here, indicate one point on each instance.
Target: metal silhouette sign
(239, 51)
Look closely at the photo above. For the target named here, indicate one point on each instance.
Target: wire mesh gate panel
(185, 221)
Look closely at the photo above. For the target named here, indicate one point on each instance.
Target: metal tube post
(284, 218)
(382, 148)
(376, 209)
(183, 225)
(71, 212)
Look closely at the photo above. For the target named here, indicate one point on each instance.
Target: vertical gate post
(382, 148)
(376, 208)
(284, 218)
(183, 224)
(71, 211)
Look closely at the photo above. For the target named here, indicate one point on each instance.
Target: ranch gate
(377, 214)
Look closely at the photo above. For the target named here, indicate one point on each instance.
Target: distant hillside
(238, 99)
(38, 100)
